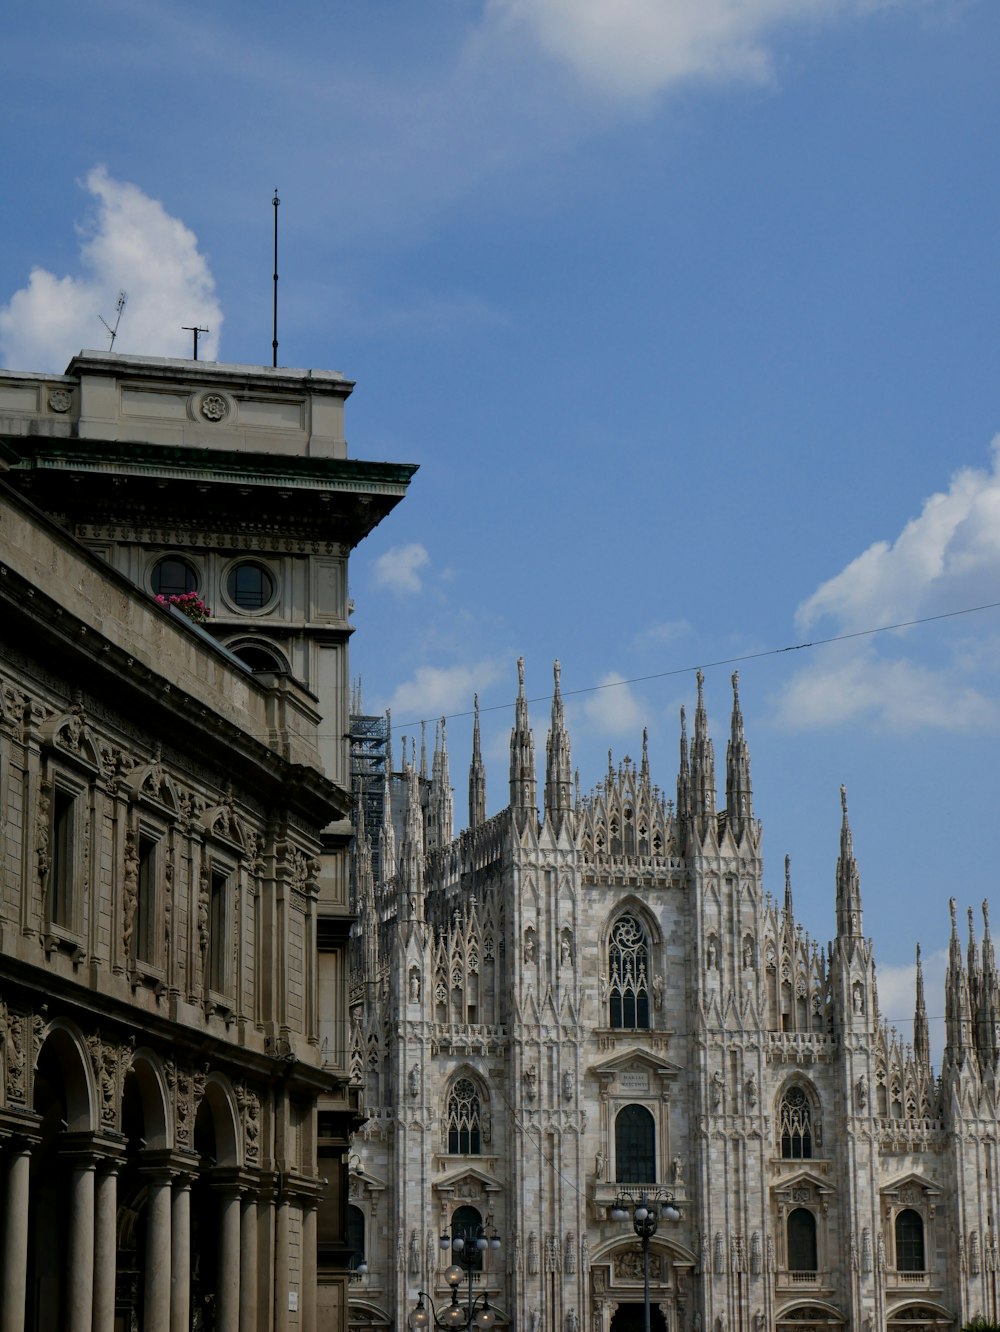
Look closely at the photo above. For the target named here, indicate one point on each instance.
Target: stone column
(105, 1247)
(80, 1283)
(180, 1255)
(248, 1264)
(156, 1300)
(15, 1239)
(281, 1283)
(228, 1282)
(308, 1296)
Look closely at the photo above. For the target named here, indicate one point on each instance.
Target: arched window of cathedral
(628, 967)
(356, 1233)
(795, 1125)
(635, 1146)
(801, 1240)
(467, 1222)
(616, 840)
(464, 1119)
(909, 1241)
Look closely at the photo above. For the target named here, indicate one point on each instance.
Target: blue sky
(688, 311)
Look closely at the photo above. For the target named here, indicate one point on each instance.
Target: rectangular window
(217, 932)
(145, 909)
(62, 871)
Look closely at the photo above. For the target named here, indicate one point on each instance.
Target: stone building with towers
(570, 1007)
(175, 1099)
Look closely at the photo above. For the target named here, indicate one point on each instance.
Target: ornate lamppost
(468, 1244)
(645, 1215)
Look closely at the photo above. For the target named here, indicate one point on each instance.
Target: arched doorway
(808, 1318)
(62, 1100)
(631, 1318)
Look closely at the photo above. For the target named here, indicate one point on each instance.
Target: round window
(250, 586)
(172, 577)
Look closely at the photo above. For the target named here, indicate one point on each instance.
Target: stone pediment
(635, 1070)
(468, 1181)
(362, 1180)
(805, 1185)
(910, 1187)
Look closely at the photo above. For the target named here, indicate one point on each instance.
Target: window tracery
(795, 1125)
(464, 1119)
(628, 965)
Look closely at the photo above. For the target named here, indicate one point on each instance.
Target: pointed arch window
(635, 1146)
(628, 969)
(801, 1240)
(795, 1125)
(909, 1241)
(465, 1119)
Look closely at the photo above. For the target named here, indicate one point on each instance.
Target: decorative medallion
(214, 407)
(59, 400)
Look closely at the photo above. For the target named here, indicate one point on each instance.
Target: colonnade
(92, 1164)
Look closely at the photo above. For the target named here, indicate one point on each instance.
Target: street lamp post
(468, 1244)
(645, 1217)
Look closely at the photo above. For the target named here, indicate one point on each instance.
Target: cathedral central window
(796, 1126)
(628, 966)
(464, 1119)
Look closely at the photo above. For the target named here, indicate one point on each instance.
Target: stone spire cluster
(972, 999)
(477, 774)
(849, 918)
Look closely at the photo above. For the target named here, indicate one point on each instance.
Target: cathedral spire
(684, 774)
(477, 774)
(921, 1030)
(702, 764)
(972, 966)
(789, 914)
(644, 766)
(988, 1010)
(849, 923)
(423, 750)
(440, 805)
(957, 1013)
(558, 774)
(523, 797)
(739, 795)
(411, 855)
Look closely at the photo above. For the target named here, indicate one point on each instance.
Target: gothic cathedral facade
(556, 1016)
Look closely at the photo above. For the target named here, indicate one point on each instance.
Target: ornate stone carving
(187, 1087)
(532, 1254)
(59, 400)
(12, 1037)
(569, 1253)
(249, 1104)
(130, 891)
(414, 1254)
(109, 1069)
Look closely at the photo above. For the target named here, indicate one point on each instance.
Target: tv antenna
(194, 330)
(274, 343)
(119, 308)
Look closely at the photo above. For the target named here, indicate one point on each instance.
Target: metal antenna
(274, 343)
(119, 307)
(194, 330)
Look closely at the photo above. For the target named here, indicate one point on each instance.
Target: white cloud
(613, 708)
(440, 691)
(661, 633)
(946, 559)
(399, 567)
(130, 244)
(639, 47)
